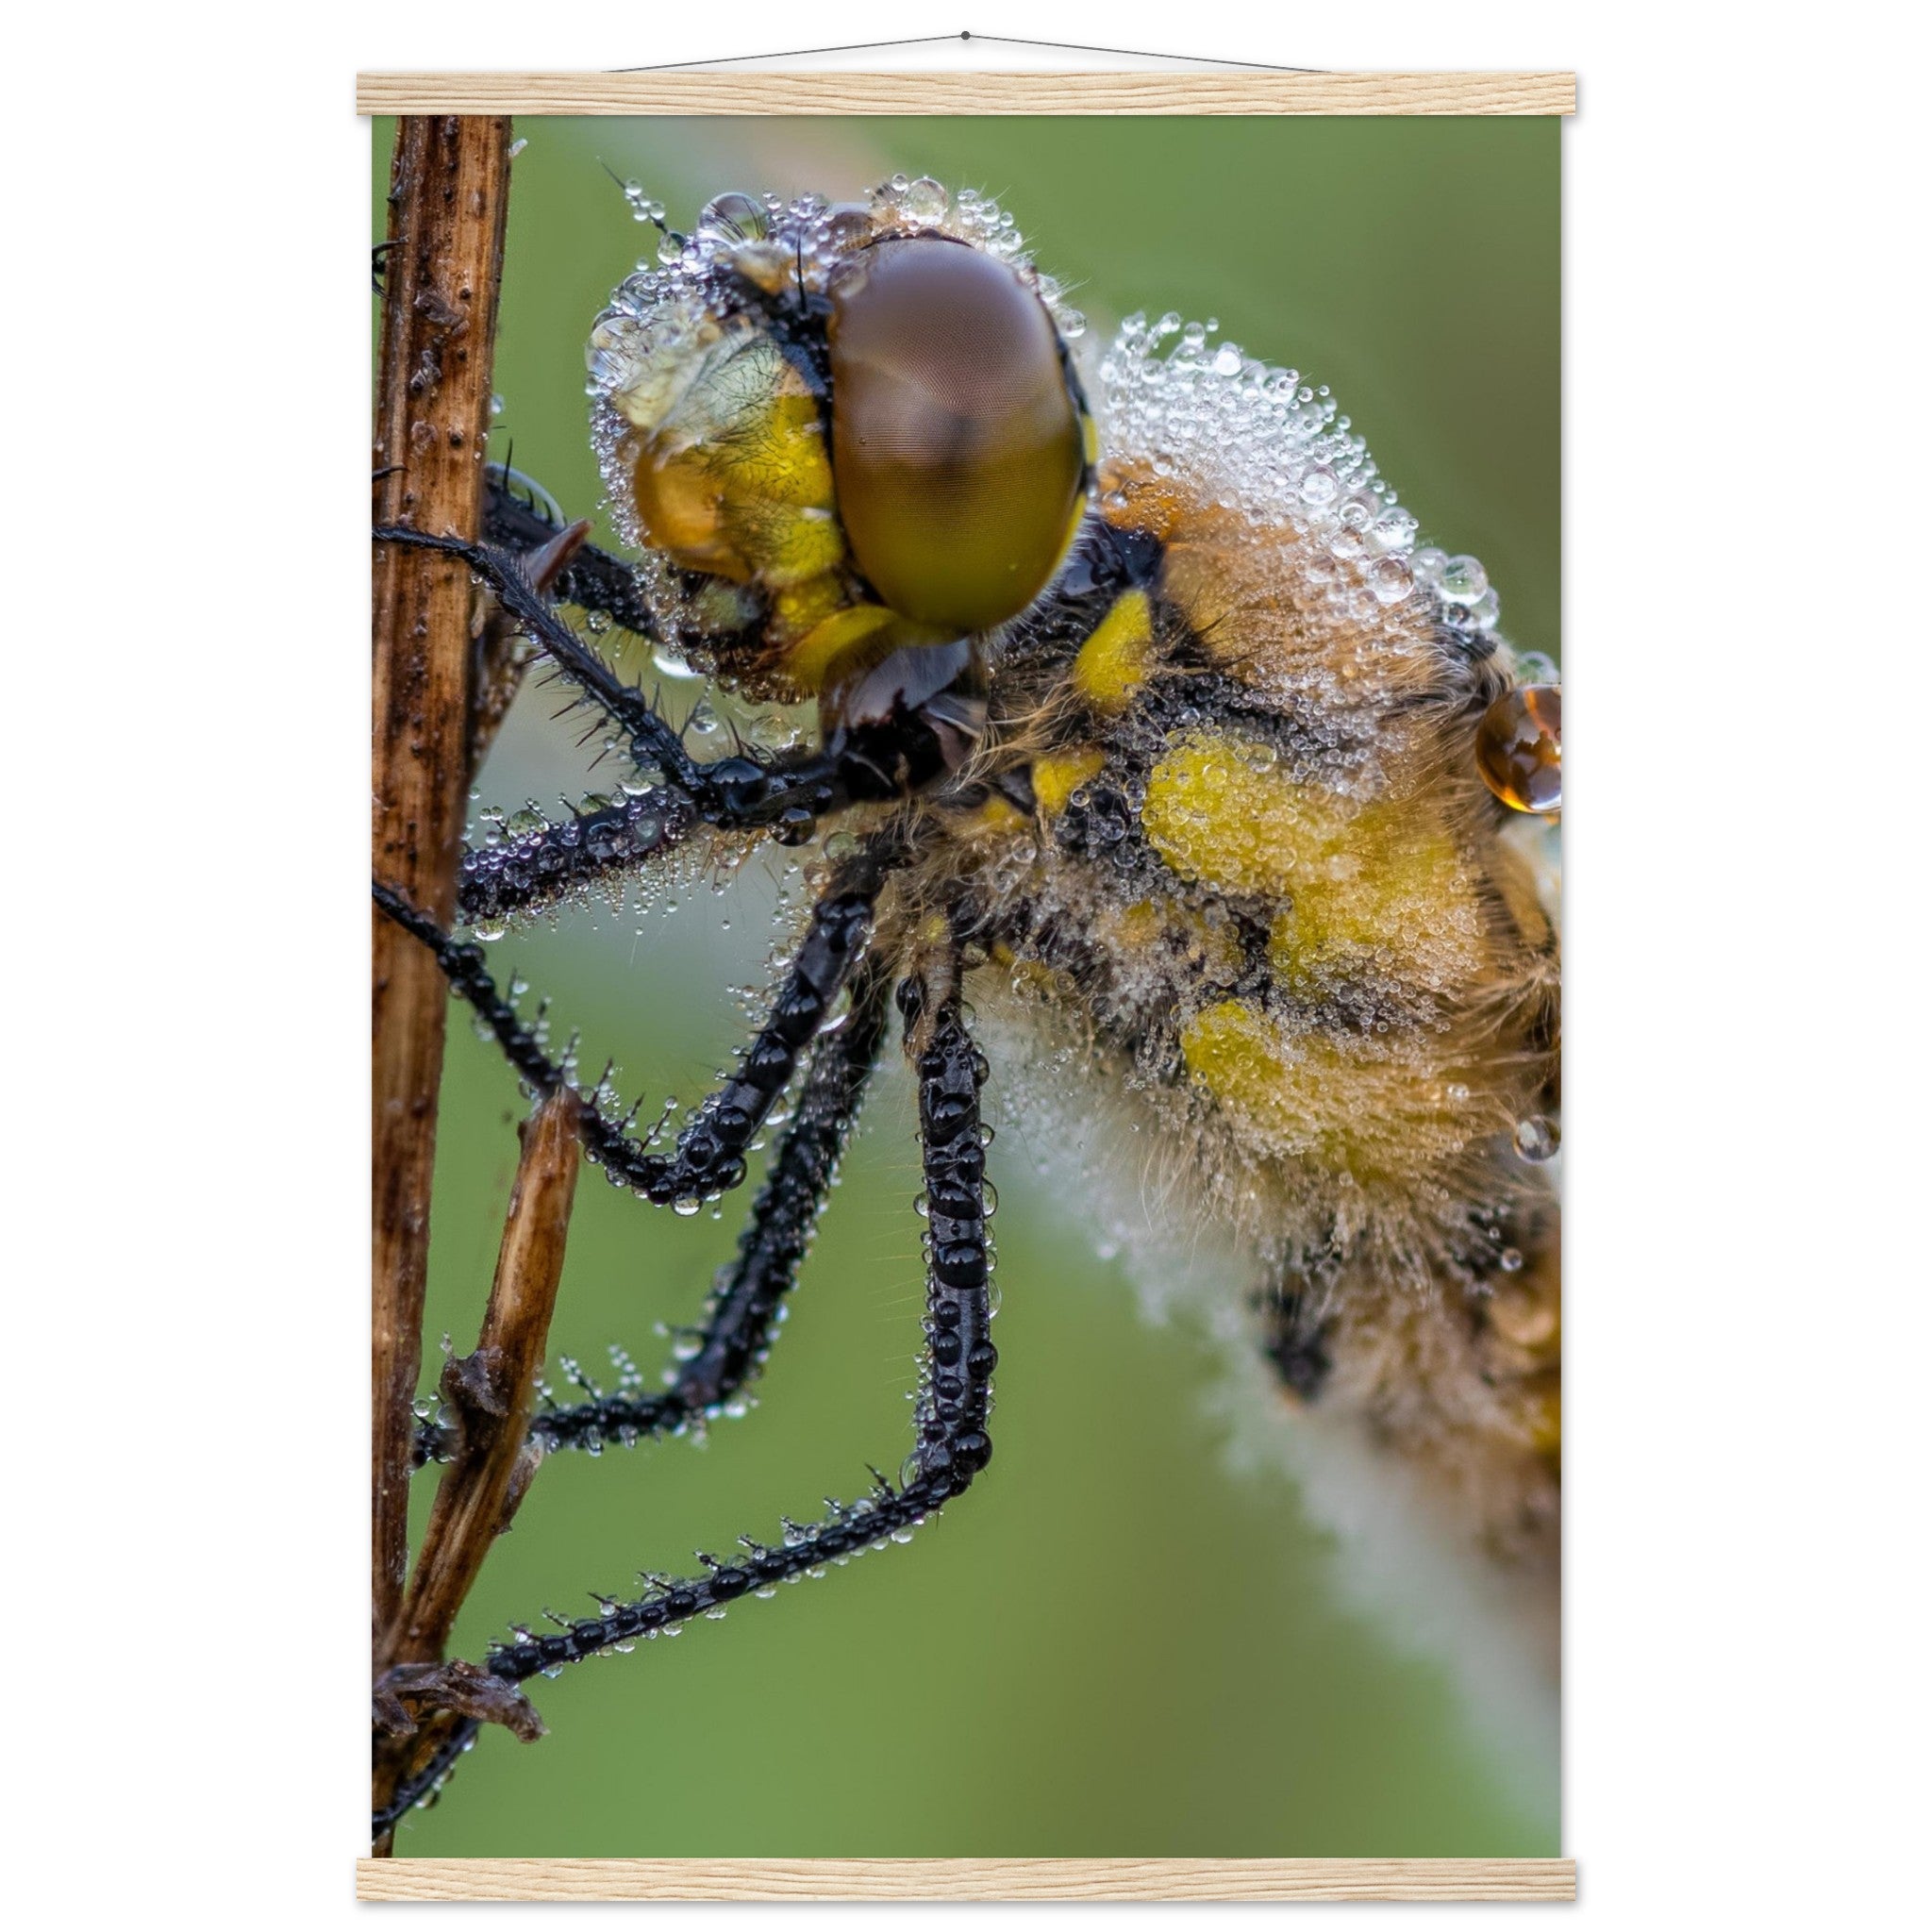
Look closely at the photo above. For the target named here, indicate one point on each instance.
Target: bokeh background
(1119, 1643)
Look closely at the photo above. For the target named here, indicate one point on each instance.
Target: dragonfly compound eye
(957, 443)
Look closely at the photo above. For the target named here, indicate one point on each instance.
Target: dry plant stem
(491, 1394)
(448, 196)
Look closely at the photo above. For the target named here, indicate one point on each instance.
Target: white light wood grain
(965, 94)
(1255, 1880)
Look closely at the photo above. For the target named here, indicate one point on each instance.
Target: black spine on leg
(952, 1444)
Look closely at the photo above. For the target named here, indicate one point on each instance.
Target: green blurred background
(1116, 1646)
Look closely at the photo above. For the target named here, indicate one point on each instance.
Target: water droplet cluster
(1263, 441)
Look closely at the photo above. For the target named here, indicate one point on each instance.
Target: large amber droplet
(1519, 748)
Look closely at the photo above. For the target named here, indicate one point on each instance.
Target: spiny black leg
(498, 881)
(786, 797)
(709, 1157)
(737, 1331)
(956, 1395)
(625, 706)
(427, 1780)
(735, 793)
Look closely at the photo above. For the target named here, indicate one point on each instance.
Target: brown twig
(448, 197)
(491, 1394)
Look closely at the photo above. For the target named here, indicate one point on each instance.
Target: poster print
(1027, 712)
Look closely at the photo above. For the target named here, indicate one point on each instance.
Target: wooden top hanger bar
(738, 92)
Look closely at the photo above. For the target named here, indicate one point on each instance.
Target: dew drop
(924, 200)
(733, 218)
(1462, 580)
(1388, 580)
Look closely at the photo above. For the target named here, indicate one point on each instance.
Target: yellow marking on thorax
(1376, 889)
(1219, 815)
(996, 816)
(1059, 775)
(1116, 659)
(1347, 1103)
(1389, 891)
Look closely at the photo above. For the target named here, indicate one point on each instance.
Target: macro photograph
(966, 905)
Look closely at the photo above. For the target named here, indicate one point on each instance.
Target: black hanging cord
(940, 39)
